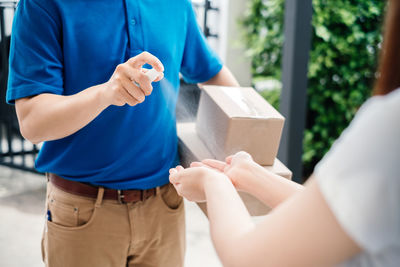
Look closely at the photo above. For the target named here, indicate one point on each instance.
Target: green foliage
(345, 44)
(269, 88)
(262, 27)
(272, 96)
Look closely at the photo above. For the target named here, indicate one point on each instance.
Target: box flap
(242, 102)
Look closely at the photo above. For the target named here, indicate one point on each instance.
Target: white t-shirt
(360, 180)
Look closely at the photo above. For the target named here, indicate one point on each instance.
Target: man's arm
(224, 78)
(49, 117)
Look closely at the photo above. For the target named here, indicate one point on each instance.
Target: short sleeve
(360, 176)
(35, 53)
(200, 63)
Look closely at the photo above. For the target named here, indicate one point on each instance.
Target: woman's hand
(240, 168)
(191, 183)
(248, 176)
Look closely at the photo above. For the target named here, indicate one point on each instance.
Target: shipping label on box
(231, 119)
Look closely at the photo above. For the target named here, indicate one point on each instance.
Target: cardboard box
(231, 119)
(191, 148)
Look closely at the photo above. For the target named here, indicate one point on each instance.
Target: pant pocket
(170, 198)
(63, 214)
(68, 210)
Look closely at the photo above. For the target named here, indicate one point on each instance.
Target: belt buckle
(120, 197)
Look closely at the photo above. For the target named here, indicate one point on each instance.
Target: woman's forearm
(229, 218)
(270, 188)
(276, 241)
(48, 117)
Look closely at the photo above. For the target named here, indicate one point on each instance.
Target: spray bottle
(152, 74)
(168, 92)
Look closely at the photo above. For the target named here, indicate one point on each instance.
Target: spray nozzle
(152, 74)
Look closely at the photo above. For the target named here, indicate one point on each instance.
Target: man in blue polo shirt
(77, 77)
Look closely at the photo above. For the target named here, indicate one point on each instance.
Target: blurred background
(314, 60)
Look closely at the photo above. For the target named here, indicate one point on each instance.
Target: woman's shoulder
(371, 142)
(388, 105)
(358, 177)
(377, 122)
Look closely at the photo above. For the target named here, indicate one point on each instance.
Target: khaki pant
(98, 232)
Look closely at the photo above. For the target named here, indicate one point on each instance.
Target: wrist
(101, 92)
(253, 177)
(211, 180)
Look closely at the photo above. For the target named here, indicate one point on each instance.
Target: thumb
(241, 155)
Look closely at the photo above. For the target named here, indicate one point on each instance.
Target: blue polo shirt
(65, 46)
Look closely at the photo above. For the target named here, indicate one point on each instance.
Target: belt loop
(99, 197)
(47, 176)
(158, 190)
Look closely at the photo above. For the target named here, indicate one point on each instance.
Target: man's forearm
(49, 117)
(223, 78)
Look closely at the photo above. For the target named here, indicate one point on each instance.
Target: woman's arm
(300, 232)
(252, 178)
(270, 188)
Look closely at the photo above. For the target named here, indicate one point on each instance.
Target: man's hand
(122, 88)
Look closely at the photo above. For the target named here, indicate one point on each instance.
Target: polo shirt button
(133, 21)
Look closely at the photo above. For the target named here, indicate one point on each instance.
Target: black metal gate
(14, 150)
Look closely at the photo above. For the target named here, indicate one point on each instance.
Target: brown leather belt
(85, 190)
